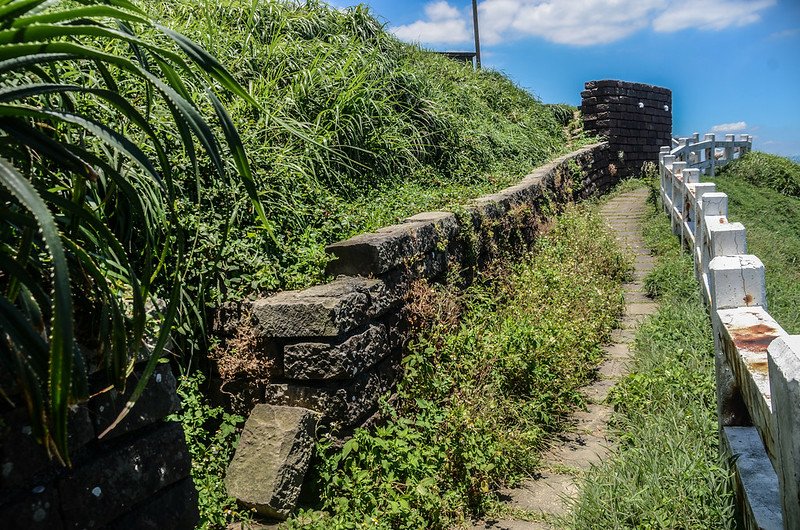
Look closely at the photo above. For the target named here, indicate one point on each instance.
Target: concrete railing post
(676, 195)
(700, 189)
(711, 153)
(690, 153)
(784, 383)
(735, 281)
(745, 148)
(713, 208)
(666, 181)
(691, 177)
(729, 149)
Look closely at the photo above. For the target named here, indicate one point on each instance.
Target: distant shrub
(771, 171)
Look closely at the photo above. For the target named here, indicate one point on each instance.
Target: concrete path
(539, 502)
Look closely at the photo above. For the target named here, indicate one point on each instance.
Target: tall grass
(767, 171)
(386, 130)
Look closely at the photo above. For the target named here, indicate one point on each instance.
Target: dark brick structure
(634, 117)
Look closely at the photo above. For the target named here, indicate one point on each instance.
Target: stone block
(319, 360)
(107, 486)
(38, 509)
(24, 462)
(329, 310)
(174, 507)
(784, 379)
(343, 404)
(158, 400)
(393, 246)
(272, 458)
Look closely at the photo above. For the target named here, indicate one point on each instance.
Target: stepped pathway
(539, 501)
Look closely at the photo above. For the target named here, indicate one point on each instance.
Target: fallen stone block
(158, 400)
(174, 508)
(39, 509)
(24, 463)
(272, 458)
(108, 486)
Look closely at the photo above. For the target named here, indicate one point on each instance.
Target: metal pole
(477, 35)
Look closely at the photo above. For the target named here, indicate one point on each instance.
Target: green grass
(357, 131)
(766, 171)
(772, 220)
(666, 472)
(493, 372)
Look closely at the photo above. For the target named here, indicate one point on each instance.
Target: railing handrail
(758, 363)
(703, 153)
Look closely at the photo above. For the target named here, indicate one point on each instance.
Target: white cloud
(710, 14)
(786, 34)
(577, 22)
(444, 25)
(441, 11)
(582, 23)
(729, 127)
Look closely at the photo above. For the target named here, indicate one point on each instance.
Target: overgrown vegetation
(346, 129)
(667, 471)
(89, 232)
(386, 130)
(211, 436)
(764, 170)
(479, 397)
(760, 196)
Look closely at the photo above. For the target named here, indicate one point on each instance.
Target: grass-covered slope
(766, 171)
(760, 196)
(356, 130)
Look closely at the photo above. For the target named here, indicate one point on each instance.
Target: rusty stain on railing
(754, 338)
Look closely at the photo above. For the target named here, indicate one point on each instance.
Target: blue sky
(732, 65)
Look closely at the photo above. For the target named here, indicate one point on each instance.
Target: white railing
(708, 153)
(757, 362)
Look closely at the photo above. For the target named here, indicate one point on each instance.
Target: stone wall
(336, 348)
(136, 477)
(636, 118)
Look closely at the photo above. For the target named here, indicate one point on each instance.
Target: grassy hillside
(357, 130)
(764, 194)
